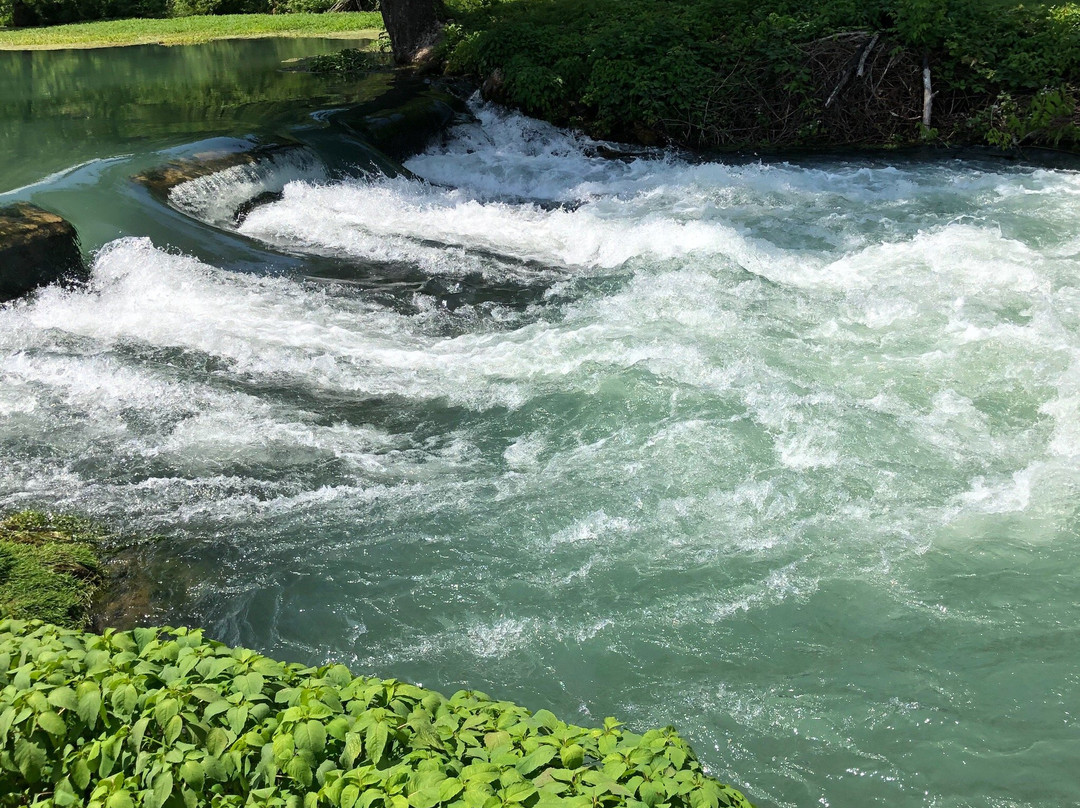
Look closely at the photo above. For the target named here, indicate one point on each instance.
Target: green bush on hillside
(739, 73)
(163, 718)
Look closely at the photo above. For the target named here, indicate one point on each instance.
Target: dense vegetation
(49, 567)
(163, 718)
(751, 73)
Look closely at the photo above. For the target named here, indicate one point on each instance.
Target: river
(783, 453)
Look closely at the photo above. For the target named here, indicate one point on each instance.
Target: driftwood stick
(927, 94)
(866, 52)
(888, 64)
(857, 65)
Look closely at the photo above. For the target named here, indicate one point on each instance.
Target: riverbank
(737, 74)
(192, 30)
(50, 567)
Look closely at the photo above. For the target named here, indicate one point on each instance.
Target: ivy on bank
(163, 718)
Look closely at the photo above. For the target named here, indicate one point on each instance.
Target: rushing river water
(784, 454)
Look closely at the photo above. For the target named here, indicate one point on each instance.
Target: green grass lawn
(189, 30)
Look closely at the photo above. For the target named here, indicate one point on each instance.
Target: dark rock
(494, 87)
(36, 248)
(265, 198)
(403, 121)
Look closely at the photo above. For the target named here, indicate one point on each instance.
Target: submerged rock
(160, 181)
(36, 248)
(403, 121)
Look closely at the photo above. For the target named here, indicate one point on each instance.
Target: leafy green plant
(345, 62)
(771, 73)
(189, 8)
(163, 718)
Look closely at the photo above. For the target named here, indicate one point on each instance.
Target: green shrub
(750, 73)
(162, 718)
(192, 8)
(345, 62)
(58, 12)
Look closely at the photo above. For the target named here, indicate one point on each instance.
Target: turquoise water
(783, 454)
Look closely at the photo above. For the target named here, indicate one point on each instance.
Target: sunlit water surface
(784, 455)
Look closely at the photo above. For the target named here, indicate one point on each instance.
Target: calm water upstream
(784, 454)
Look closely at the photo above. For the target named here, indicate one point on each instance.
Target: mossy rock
(49, 567)
(162, 179)
(37, 248)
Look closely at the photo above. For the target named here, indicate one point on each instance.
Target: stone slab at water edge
(36, 248)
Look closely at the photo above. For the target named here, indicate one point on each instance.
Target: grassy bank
(49, 567)
(191, 30)
(161, 718)
(781, 73)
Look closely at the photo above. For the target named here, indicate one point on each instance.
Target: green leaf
(52, 724)
(250, 684)
(493, 740)
(80, 774)
(161, 790)
(135, 739)
(64, 698)
(6, 717)
(129, 697)
(349, 795)
(546, 718)
(518, 792)
(165, 711)
(172, 730)
(449, 788)
(89, 706)
(310, 735)
(193, 773)
(30, 758)
(424, 798)
(536, 760)
(119, 799)
(353, 747)
(217, 740)
(651, 793)
(299, 770)
(64, 794)
(572, 756)
(375, 741)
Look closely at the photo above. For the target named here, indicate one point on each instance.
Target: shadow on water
(63, 108)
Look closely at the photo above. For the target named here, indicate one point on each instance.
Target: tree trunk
(411, 25)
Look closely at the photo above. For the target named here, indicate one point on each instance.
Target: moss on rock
(36, 248)
(49, 567)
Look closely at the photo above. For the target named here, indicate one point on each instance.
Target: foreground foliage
(163, 717)
(49, 568)
(750, 73)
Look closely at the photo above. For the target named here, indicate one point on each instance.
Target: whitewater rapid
(786, 454)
